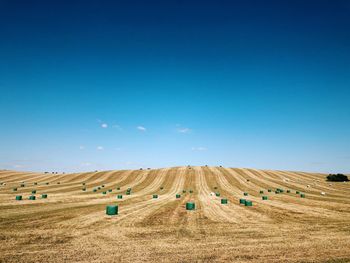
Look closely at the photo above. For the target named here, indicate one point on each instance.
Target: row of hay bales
(31, 197)
(114, 209)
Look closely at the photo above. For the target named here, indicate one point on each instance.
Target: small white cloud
(82, 147)
(86, 164)
(17, 166)
(141, 128)
(184, 130)
(200, 149)
(100, 148)
(104, 125)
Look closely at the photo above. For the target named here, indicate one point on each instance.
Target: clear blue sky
(91, 85)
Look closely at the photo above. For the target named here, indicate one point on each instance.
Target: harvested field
(71, 225)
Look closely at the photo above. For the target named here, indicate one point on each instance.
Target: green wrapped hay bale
(14, 189)
(242, 201)
(191, 191)
(32, 197)
(112, 210)
(261, 191)
(104, 192)
(178, 196)
(190, 206)
(34, 192)
(302, 195)
(248, 203)
(129, 189)
(110, 190)
(217, 194)
(269, 190)
(297, 192)
(18, 197)
(277, 192)
(155, 196)
(127, 193)
(264, 197)
(95, 190)
(224, 201)
(44, 196)
(120, 196)
(245, 194)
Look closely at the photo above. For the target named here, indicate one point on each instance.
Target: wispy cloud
(200, 149)
(82, 147)
(116, 126)
(141, 128)
(100, 148)
(184, 130)
(86, 164)
(104, 125)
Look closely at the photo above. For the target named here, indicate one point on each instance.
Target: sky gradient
(97, 85)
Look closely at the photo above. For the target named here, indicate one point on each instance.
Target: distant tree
(337, 178)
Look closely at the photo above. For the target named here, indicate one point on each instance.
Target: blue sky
(89, 85)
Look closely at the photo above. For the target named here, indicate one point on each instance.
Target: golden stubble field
(71, 225)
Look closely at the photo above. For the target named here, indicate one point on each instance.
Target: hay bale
(191, 191)
(245, 194)
(34, 192)
(178, 196)
(261, 192)
(18, 197)
(242, 201)
(44, 196)
(32, 197)
(84, 189)
(112, 210)
(190, 206)
(224, 201)
(217, 194)
(14, 189)
(104, 192)
(118, 188)
(264, 197)
(248, 203)
(155, 196)
(109, 190)
(302, 195)
(120, 196)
